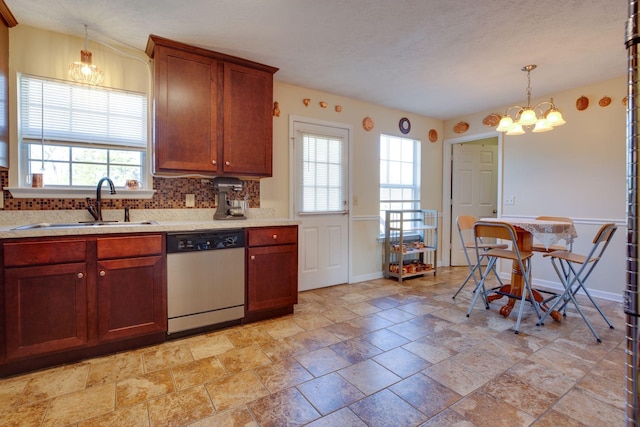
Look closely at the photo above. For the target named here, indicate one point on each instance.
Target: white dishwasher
(205, 279)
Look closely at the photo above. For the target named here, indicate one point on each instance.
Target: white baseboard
(545, 285)
(552, 286)
(365, 277)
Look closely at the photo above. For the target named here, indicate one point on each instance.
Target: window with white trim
(77, 134)
(399, 175)
(321, 162)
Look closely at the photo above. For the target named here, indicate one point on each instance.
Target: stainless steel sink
(83, 224)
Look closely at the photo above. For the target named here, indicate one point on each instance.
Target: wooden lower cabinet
(272, 272)
(131, 283)
(45, 309)
(131, 300)
(64, 299)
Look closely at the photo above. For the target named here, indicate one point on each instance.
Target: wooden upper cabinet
(212, 112)
(248, 126)
(186, 111)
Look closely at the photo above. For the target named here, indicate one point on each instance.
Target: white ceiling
(438, 58)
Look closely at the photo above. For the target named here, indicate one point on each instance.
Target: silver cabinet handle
(102, 273)
(213, 162)
(253, 257)
(227, 163)
(275, 237)
(80, 275)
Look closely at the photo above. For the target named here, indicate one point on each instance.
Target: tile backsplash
(169, 194)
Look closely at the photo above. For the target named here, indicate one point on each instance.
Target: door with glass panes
(321, 203)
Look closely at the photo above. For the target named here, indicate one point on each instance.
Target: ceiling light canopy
(527, 117)
(84, 71)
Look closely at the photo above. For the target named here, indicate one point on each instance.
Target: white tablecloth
(546, 232)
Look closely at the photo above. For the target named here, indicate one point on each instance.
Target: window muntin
(399, 175)
(77, 134)
(75, 166)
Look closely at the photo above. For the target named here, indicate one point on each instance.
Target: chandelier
(84, 71)
(528, 116)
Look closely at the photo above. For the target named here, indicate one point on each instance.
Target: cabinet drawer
(131, 246)
(44, 252)
(267, 236)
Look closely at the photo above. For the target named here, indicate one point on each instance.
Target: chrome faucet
(97, 212)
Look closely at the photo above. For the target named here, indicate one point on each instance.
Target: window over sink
(76, 134)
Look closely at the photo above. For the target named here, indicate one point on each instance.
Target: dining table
(547, 232)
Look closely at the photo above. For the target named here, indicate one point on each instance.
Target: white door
(320, 202)
(474, 186)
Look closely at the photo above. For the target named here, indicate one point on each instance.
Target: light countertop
(166, 220)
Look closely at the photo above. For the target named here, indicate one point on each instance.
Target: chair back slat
(605, 233)
(497, 230)
(465, 222)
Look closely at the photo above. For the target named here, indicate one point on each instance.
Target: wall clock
(405, 125)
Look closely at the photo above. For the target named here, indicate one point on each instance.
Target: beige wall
(366, 252)
(577, 170)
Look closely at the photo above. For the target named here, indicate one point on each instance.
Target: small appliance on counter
(229, 209)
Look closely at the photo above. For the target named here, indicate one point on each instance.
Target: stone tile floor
(374, 353)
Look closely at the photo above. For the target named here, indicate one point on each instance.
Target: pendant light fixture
(84, 71)
(527, 117)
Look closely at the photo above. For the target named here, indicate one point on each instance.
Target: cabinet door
(272, 277)
(186, 112)
(45, 308)
(248, 122)
(131, 297)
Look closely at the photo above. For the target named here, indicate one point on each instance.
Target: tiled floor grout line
(379, 377)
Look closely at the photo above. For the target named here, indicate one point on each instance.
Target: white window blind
(321, 163)
(53, 110)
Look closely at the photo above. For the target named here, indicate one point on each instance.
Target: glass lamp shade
(84, 71)
(554, 118)
(516, 129)
(528, 117)
(542, 126)
(505, 125)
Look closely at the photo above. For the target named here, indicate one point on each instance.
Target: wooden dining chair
(465, 231)
(539, 247)
(574, 269)
(521, 259)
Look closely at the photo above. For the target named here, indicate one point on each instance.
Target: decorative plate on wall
(582, 103)
(461, 127)
(367, 123)
(604, 101)
(491, 120)
(404, 125)
(433, 135)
